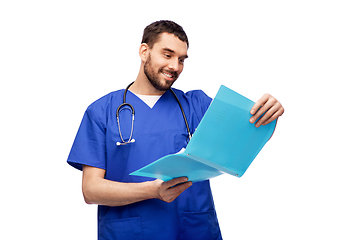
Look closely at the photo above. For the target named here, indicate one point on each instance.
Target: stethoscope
(125, 104)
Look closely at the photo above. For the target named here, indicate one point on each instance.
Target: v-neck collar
(142, 102)
(150, 100)
(143, 112)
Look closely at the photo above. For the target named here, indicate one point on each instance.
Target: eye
(181, 61)
(167, 55)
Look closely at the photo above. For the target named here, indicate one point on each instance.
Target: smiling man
(132, 207)
(162, 63)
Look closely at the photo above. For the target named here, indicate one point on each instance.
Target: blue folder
(224, 142)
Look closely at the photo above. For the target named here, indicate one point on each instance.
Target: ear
(143, 50)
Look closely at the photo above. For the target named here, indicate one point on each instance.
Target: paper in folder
(224, 142)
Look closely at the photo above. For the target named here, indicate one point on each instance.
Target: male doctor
(132, 207)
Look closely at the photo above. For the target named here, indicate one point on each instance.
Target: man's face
(165, 61)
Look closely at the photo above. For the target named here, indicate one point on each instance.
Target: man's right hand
(98, 190)
(170, 190)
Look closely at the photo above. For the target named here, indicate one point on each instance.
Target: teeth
(168, 75)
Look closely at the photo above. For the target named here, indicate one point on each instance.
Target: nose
(174, 65)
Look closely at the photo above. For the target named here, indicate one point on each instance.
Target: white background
(56, 57)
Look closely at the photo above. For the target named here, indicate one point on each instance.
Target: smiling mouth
(169, 76)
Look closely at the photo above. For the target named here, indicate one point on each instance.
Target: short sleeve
(200, 102)
(89, 144)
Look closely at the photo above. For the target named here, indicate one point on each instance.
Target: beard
(154, 77)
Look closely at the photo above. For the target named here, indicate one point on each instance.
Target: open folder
(224, 142)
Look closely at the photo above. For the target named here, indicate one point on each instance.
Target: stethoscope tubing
(183, 113)
(125, 104)
(119, 109)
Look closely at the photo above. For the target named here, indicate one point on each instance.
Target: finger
(172, 193)
(174, 182)
(260, 107)
(274, 116)
(179, 188)
(259, 103)
(268, 114)
(270, 102)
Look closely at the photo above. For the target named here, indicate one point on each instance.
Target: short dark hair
(153, 31)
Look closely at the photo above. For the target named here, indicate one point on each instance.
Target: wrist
(151, 188)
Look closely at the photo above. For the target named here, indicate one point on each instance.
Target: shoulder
(105, 101)
(194, 96)
(197, 100)
(99, 109)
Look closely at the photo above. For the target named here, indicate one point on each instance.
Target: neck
(142, 86)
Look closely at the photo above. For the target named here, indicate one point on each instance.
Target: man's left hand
(270, 106)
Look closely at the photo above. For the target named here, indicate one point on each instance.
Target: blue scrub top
(158, 131)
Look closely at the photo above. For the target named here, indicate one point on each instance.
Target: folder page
(178, 165)
(225, 141)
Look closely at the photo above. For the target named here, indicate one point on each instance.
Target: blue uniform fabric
(157, 132)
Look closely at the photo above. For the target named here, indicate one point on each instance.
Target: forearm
(110, 193)
(97, 190)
